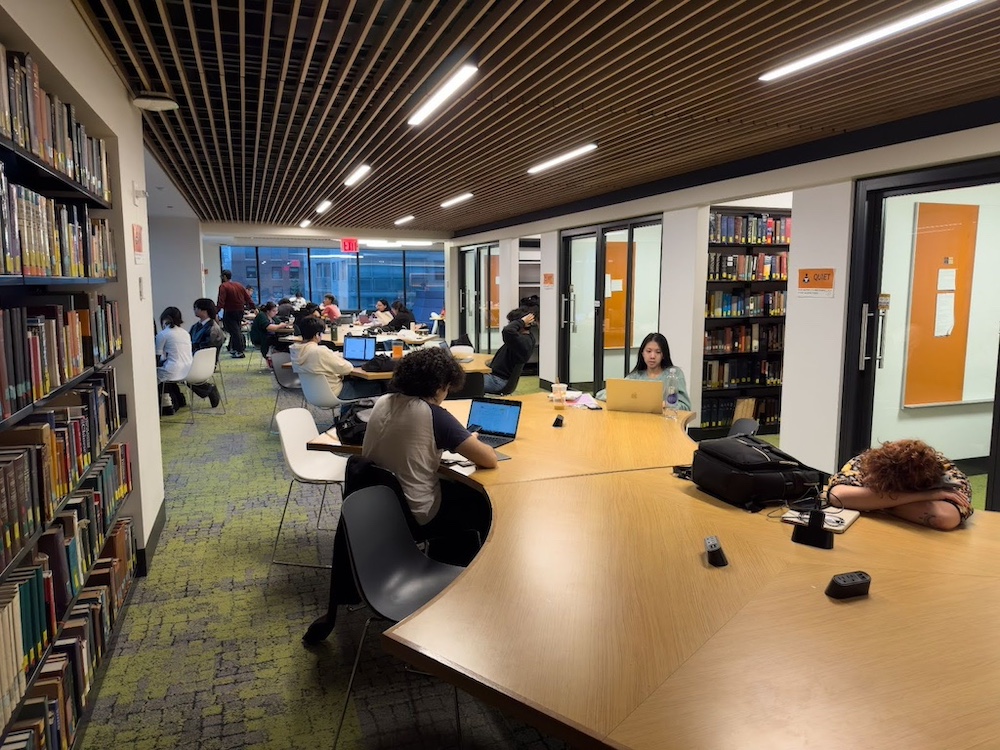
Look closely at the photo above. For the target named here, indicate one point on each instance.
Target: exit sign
(349, 245)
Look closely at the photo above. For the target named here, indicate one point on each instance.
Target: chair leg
(224, 402)
(190, 403)
(222, 382)
(270, 425)
(350, 682)
(458, 719)
(322, 502)
(277, 537)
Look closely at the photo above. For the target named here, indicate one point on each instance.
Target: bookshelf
(745, 295)
(67, 554)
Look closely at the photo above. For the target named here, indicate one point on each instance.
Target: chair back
(362, 472)
(515, 375)
(744, 426)
(316, 389)
(393, 577)
(286, 377)
(202, 367)
(296, 428)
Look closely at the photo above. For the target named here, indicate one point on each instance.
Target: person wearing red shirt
(233, 297)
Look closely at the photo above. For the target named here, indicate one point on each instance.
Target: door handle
(563, 300)
(880, 360)
(572, 310)
(461, 300)
(863, 348)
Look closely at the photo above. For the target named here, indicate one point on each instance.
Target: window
(424, 283)
(241, 261)
(380, 276)
(334, 272)
(285, 277)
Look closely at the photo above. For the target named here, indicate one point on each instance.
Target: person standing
(233, 297)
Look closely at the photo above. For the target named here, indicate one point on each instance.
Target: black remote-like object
(716, 557)
(558, 422)
(848, 585)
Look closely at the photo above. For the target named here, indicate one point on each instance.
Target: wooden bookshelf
(67, 556)
(745, 295)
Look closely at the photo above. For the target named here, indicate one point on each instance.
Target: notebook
(837, 519)
(635, 395)
(359, 349)
(495, 419)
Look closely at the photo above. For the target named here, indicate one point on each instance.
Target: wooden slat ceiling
(281, 99)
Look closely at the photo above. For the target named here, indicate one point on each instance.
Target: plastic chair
(202, 372)
(393, 577)
(296, 428)
(287, 381)
(316, 390)
(744, 426)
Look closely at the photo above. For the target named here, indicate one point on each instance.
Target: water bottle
(672, 383)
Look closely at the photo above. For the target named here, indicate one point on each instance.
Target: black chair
(393, 577)
(744, 426)
(475, 387)
(515, 375)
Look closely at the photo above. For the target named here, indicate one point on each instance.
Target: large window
(357, 280)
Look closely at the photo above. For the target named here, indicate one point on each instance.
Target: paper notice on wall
(946, 279)
(617, 285)
(944, 314)
(607, 285)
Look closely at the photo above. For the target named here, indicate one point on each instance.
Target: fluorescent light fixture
(385, 244)
(372, 242)
(324, 207)
(416, 243)
(304, 223)
(562, 158)
(871, 37)
(404, 220)
(356, 176)
(439, 97)
(456, 200)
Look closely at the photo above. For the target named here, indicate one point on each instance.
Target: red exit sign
(349, 245)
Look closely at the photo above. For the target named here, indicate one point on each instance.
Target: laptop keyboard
(494, 441)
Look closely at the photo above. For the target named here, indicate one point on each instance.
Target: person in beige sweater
(313, 357)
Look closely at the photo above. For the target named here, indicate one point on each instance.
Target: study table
(592, 613)
(477, 364)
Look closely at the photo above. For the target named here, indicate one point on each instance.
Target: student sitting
(266, 329)
(907, 479)
(654, 363)
(207, 334)
(401, 318)
(330, 310)
(174, 358)
(311, 357)
(519, 339)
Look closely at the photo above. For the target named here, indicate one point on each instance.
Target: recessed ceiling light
(562, 158)
(404, 220)
(355, 177)
(324, 207)
(871, 37)
(304, 223)
(456, 200)
(440, 96)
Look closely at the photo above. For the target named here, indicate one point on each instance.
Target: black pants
(233, 323)
(175, 395)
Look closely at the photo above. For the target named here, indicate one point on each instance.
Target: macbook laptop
(635, 395)
(359, 349)
(495, 420)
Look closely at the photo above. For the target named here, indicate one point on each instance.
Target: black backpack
(353, 421)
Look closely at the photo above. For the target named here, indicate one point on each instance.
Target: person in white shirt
(174, 358)
(313, 357)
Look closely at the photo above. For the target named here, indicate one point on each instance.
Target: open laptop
(359, 349)
(644, 396)
(495, 420)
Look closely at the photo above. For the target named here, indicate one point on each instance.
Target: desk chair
(515, 376)
(202, 372)
(288, 382)
(316, 390)
(475, 387)
(392, 576)
(744, 426)
(296, 428)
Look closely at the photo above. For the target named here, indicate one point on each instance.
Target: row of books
(42, 237)
(52, 341)
(745, 339)
(76, 638)
(722, 412)
(737, 373)
(749, 229)
(755, 267)
(41, 123)
(743, 305)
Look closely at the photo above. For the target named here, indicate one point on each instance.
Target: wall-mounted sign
(815, 282)
(549, 280)
(349, 245)
(138, 251)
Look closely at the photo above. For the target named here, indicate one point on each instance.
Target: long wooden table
(592, 613)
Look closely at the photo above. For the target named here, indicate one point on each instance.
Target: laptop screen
(495, 417)
(359, 347)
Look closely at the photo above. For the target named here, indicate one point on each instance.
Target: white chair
(317, 391)
(287, 380)
(202, 372)
(296, 428)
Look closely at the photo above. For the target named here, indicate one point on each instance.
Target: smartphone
(474, 427)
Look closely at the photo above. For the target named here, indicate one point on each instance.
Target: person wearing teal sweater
(653, 363)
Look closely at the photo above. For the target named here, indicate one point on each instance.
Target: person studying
(654, 363)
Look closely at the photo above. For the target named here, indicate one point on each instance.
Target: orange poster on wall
(944, 250)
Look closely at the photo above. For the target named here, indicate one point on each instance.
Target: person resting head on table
(654, 363)
(312, 358)
(907, 479)
(409, 430)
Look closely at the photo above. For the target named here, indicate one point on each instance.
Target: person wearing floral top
(907, 479)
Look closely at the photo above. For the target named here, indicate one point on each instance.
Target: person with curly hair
(907, 479)
(409, 430)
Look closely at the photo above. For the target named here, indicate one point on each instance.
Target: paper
(944, 314)
(607, 285)
(617, 285)
(454, 462)
(946, 280)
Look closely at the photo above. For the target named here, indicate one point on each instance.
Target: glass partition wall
(480, 316)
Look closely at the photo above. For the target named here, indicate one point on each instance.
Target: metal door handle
(572, 310)
(863, 348)
(461, 300)
(881, 339)
(563, 299)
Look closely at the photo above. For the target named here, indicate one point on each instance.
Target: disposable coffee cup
(559, 395)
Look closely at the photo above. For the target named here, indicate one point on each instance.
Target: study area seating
(287, 380)
(393, 577)
(202, 372)
(512, 381)
(744, 426)
(316, 390)
(306, 467)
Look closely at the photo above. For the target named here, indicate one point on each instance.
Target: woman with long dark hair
(653, 363)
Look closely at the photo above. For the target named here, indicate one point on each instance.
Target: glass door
(479, 295)
(926, 320)
(579, 312)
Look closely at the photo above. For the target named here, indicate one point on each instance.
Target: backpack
(352, 421)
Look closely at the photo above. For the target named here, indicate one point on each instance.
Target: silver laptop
(635, 395)
(495, 420)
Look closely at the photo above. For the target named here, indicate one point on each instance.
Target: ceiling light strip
(456, 200)
(444, 93)
(357, 175)
(404, 220)
(323, 207)
(562, 158)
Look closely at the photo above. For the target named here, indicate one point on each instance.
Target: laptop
(644, 396)
(359, 349)
(495, 420)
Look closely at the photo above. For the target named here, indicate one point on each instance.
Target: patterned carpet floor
(210, 655)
